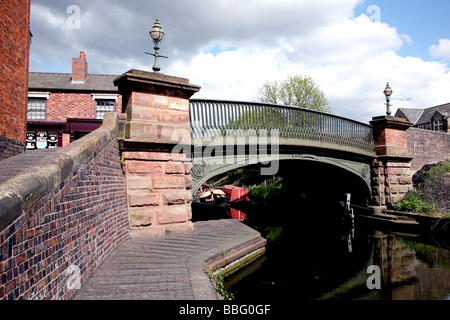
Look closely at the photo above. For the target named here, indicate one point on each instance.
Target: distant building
(63, 107)
(434, 118)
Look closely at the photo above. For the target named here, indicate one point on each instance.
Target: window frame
(104, 97)
(438, 125)
(103, 109)
(36, 109)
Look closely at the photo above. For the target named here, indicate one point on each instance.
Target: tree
(294, 91)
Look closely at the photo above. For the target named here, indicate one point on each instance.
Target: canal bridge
(227, 135)
(63, 215)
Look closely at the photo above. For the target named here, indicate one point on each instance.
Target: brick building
(434, 118)
(14, 58)
(428, 140)
(63, 107)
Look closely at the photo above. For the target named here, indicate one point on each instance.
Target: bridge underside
(285, 162)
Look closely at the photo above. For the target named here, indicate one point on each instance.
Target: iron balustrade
(215, 118)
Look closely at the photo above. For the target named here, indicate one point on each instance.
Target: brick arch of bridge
(206, 168)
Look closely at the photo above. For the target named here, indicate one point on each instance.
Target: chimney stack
(79, 69)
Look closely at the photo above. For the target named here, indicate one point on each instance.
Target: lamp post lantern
(157, 34)
(388, 92)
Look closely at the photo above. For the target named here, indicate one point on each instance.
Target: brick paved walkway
(170, 268)
(11, 167)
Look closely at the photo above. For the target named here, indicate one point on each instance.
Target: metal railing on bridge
(213, 118)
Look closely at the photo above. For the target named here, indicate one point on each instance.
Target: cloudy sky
(231, 47)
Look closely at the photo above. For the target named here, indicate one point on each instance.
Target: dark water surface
(313, 255)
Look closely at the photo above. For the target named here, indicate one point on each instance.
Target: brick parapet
(427, 147)
(62, 218)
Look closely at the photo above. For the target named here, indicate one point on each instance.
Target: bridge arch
(206, 168)
(270, 134)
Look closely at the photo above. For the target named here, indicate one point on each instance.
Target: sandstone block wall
(391, 170)
(157, 138)
(391, 181)
(159, 190)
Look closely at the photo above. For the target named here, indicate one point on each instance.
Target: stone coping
(155, 83)
(22, 191)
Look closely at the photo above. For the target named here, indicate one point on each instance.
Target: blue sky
(424, 21)
(231, 47)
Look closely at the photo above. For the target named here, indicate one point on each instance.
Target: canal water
(314, 255)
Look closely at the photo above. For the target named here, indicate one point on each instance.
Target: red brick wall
(427, 147)
(67, 233)
(79, 68)
(14, 57)
(61, 106)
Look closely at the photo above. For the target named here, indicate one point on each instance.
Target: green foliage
(249, 175)
(413, 203)
(221, 288)
(268, 118)
(432, 185)
(269, 233)
(271, 191)
(429, 254)
(436, 172)
(218, 280)
(294, 91)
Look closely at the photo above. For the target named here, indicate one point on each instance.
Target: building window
(36, 108)
(438, 125)
(103, 106)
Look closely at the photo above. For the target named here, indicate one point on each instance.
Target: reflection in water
(406, 274)
(236, 214)
(320, 261)
(412, 270)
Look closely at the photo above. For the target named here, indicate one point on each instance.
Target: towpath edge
(173, 267)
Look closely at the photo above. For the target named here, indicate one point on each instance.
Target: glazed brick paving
(169, 268)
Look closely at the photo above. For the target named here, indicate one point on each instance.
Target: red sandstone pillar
(391, 176)
(157, 138)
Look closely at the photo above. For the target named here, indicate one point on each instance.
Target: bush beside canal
(432, 191)
(268, 192)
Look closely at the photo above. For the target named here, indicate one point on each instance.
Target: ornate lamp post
(157, 34)
(388, 92)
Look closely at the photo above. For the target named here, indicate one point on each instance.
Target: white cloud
(351, 59)
(441, 50)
